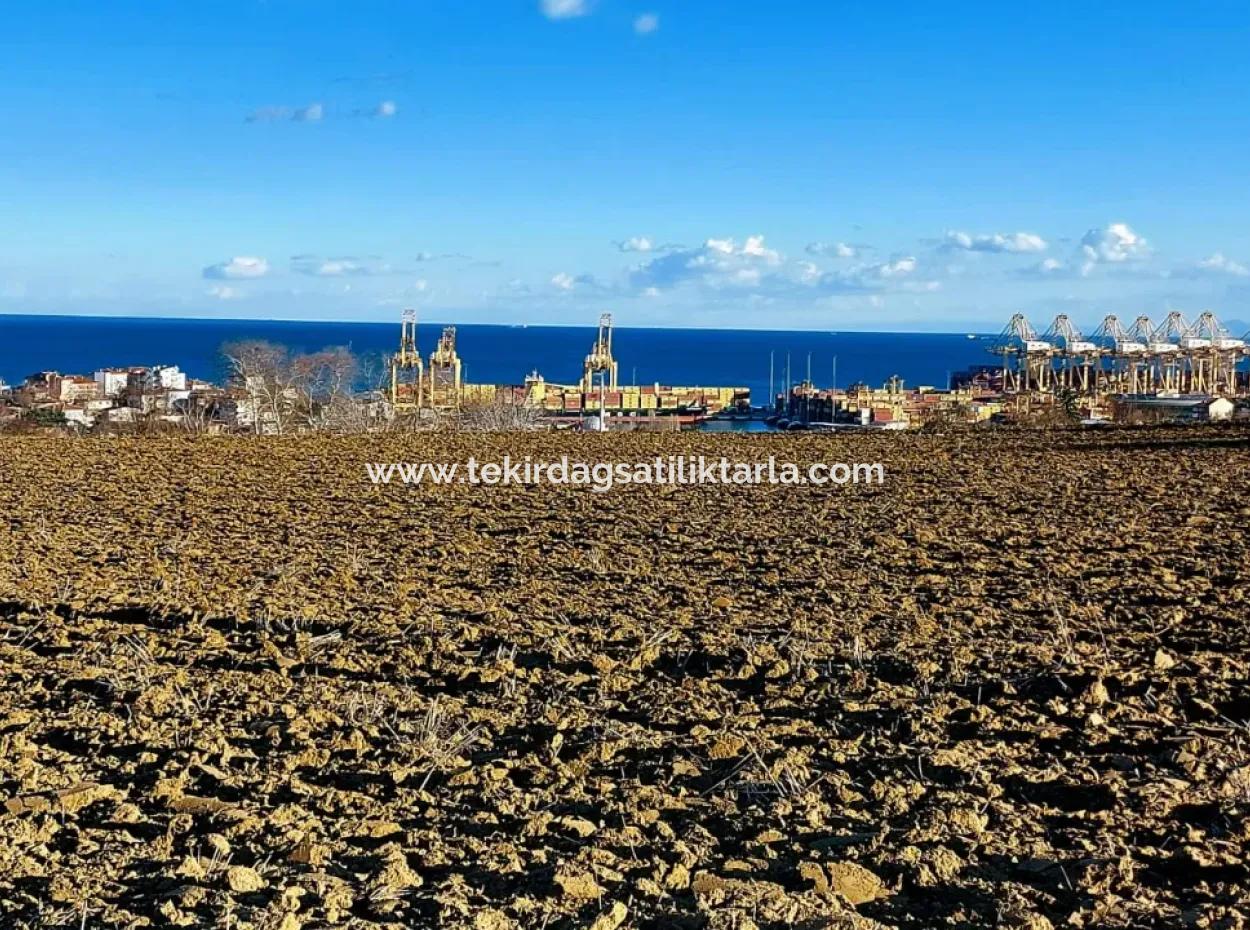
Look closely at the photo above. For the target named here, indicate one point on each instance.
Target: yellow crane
(600, 359)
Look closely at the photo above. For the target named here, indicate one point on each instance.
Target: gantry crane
(1127, 368)
(1173, 357)
(407, 371)
(1077, 358)
(1213, 356)
(600, 358)
(1026, 357)
(1167, 351)
(445, 377)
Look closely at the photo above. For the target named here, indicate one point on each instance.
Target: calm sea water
(500, 354)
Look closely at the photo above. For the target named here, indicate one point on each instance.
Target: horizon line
(452, 322)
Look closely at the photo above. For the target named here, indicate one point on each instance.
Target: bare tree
(505, 413)
(261, 371)
(314, 391)
(324, 385)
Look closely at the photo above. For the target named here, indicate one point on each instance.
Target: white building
(77, 416)
(169, 377)
(112, 381)
(1220, 408)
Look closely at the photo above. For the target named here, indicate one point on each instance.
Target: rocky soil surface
(241, 687)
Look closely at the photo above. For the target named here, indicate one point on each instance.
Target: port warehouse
(436, 384)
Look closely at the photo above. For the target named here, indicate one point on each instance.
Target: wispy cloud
(240, 267)
(309, 114)
(1046, 268)
(1216, 266)
(567, 283)
(338, 267)
(1013, 243)
(564, 9)
(834, 249)
(225, 292)
(316, 112)
(895, 268)
(636, 244)
(646, 24)
(312, 113)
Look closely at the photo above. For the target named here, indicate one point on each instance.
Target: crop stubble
(243, 687)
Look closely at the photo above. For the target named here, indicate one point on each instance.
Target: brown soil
(241, 687)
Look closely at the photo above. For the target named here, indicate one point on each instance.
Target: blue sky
(814, 165)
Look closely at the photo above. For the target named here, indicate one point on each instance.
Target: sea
(503, 354)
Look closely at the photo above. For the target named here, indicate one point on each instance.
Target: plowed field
(240, 686)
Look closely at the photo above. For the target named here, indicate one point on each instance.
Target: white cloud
(897, 274)
(725, 266)
(1220, 265)
(564, 9)
(269, 114)
(1046, 268)
(754, 247)
(1114, 244)
(316, 112)
(239, 267)
(646, 24)
(897, 268)
(833, 250)
(636, 244)
(225, 292)
(1014, 243)
(337, 267)
(566, 283)
(718, 263)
